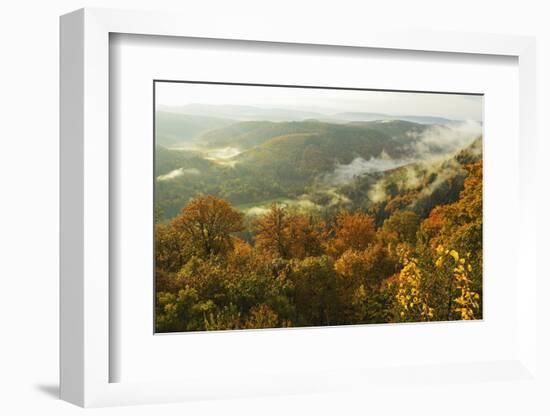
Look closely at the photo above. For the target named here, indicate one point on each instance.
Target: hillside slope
(375, 166)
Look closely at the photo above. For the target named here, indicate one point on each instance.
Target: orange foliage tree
(208, 223)
(286, 235)
(351, 231)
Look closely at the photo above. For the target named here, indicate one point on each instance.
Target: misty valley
(272, 217)
(311, 165)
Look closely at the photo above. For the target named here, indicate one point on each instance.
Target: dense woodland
(411, 257)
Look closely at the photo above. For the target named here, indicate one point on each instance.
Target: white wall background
(29, 179)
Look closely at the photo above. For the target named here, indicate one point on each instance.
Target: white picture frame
(85, 355)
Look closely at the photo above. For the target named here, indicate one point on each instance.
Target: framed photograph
(268, 212)
(293, 206)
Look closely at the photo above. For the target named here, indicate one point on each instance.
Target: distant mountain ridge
(365, 116)
(241, 112)
(173, 128)
(248, 125)
(253, 113)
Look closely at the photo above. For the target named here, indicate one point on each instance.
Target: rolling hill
(246, 135)
(316, 164)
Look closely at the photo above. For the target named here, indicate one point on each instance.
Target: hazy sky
(460, 107)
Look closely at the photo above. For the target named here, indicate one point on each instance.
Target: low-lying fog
(177, 173)
(223, 153)
(433, 143)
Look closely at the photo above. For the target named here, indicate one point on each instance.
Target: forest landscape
(282, 207)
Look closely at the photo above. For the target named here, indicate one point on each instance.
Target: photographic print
(290, 206)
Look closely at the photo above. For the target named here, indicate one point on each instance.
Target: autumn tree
(462, 220)
(288, 235)
(306, 234)
(171, 253)
(261, 316)
(181, 311)
(459, 225)
(208, 223)
(461, 302)
(364, 273)
(315, 291)
(351, 231)
(226, 317)
(401, 227)
(271, 232)
(412, 300)
(351, 289)
(372, 265)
